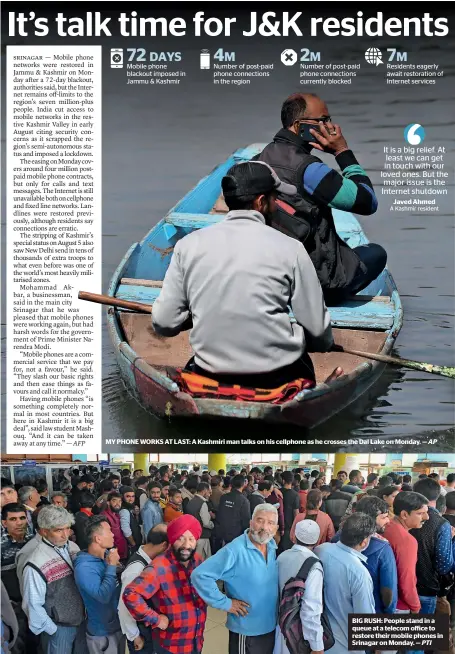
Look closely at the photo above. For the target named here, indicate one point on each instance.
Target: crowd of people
(110, 561)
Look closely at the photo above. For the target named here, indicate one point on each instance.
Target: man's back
(348, 588)
(404, 547)
(80, 524)
(290, 562)
(217, 494)
(434, 554)
(291, 504)
(255, 499)
(236, 279)
(233, 516)
(336, 504)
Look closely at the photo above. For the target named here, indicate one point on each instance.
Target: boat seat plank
(200, 220)
(359, 313)
(151, 283)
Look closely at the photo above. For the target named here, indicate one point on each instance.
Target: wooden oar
(115, 302)
(445, 371)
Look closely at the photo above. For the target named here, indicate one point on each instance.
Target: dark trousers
(147, 649)
(374, 259)
(303, 367)
(146, 634)
(239, 644)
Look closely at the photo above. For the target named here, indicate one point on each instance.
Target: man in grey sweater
(234, 282)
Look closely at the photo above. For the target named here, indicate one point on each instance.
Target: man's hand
(239, 608)
(163, 622)
(453, 532)
(113, 557)
(329, 139)
(138, 643)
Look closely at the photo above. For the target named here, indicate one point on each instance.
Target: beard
(184, 554)
(116, 509)
(380, 530)
(261, 536)
(268, 214)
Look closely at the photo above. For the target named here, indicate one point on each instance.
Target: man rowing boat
(233, 283)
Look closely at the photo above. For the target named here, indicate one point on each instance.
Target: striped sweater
(350, 190)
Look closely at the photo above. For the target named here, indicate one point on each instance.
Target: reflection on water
(159, 143)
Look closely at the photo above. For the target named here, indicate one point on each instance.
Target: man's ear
(259, 203)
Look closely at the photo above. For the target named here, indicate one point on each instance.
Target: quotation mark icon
(414, 133)
(289, 57)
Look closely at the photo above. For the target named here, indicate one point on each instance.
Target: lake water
(158, 144)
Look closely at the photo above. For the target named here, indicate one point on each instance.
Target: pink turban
(177, 528)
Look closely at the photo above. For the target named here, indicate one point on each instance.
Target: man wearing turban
(179, 619)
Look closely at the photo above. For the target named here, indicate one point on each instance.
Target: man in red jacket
(179, 614)
(411, 511)
(112, 515)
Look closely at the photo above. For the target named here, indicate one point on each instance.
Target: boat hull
(308, 410)
(376, 311)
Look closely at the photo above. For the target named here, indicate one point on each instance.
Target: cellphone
(116, 58)
(304, 132)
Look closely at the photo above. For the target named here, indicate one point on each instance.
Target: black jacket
(310, 223)
(81, 520)
(233, 516)
(428, 577)
(255, 499)
(335, 506)
(74, 500)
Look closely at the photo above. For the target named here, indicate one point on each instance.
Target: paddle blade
(445, 371)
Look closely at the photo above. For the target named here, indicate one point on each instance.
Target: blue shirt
(151, 514)
(100, 590)
(247, 576)
(348, 588)
(382, 566)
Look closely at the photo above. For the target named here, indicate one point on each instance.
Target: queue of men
(138, 562)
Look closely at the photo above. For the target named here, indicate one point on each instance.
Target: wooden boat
(369, 322)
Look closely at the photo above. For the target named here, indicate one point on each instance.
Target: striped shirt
(350, 190)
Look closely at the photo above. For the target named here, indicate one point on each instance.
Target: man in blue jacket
(248, 567)
(152, 513)
(381, 562)
(96, 577)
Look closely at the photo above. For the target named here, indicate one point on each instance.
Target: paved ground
(216, 634)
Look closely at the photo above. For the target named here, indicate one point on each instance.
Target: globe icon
(373, 56)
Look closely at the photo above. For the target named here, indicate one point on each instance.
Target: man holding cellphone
(95, 572)
(307, 215)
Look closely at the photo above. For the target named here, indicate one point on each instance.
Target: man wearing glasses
(307, 215)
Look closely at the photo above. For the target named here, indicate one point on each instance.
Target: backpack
(289, 613)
